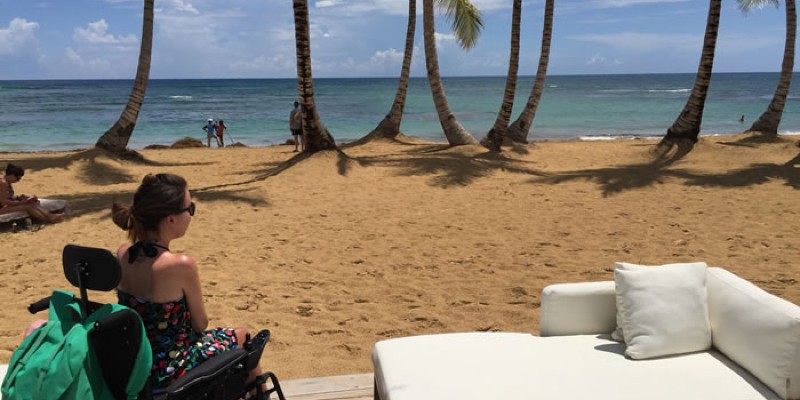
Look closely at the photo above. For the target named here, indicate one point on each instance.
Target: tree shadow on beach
(635, 176)
(615, 180)
(343, 164)
(756, 174)
(94, 170)
(753, 139)
(450, 168)
(88, 203)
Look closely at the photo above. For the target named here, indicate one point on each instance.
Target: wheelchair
(115, 341)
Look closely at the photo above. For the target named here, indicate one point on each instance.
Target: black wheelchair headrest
(91, 268)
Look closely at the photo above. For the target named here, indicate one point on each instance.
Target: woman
(9, 202)
(164, 287)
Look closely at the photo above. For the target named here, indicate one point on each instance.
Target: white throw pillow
(663, 310)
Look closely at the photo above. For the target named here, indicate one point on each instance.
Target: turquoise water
(63, 115)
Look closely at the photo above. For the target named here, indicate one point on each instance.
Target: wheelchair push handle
(44, 304)
(40, 305)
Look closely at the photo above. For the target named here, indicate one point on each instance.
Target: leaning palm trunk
(116, 139)
(455, 133)
(518, 131)
(687, 126)
(494, 139)
(317, 136)
(768, 122)
(389, 127)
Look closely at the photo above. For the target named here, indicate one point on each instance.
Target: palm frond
(465, 20)
(747, 5)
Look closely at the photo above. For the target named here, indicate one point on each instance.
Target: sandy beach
(390, 239)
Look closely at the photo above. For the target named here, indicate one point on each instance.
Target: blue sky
(99, 39)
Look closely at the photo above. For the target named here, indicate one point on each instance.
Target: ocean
(72, 114)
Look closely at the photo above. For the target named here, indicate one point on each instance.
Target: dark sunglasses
(190, 209)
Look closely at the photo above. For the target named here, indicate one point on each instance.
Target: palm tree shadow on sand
(619, 179)
(449, 168)
(756, 174)
(94, 172)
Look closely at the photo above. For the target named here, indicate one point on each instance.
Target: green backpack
(57, 361)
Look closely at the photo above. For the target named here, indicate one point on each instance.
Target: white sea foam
(181, 98)
(621, 137)
(668, 90)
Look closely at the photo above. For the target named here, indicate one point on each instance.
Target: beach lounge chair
(114, 341)
(752, 351)
(21, 217)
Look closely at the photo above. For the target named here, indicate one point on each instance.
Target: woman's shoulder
(178, 263)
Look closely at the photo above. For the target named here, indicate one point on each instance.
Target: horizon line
(393, 77)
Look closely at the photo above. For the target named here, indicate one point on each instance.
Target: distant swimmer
(741, 119)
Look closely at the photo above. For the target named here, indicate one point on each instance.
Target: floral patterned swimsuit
(176, 347)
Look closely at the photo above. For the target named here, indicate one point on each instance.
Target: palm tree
(494, 138)
(389, 127)
(518, 131)
(687, 127)
(116, 139)
(466, 22)
(768, 122)
(317, 136)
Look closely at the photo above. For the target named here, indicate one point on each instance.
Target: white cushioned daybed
(686, 331)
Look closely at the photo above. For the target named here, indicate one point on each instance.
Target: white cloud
(97, 33)
(388, 56)
(20, 32)
(596, 59)
(96, 65)
(354, 8)
(738, 43)
(326, 3)
(181, 6)
(444, 38)
(629, 3)
(644, 41)
(489, 5)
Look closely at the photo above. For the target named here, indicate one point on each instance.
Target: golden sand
(391, 239)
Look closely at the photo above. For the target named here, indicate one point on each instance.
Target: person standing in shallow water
(221, 131)
(163, 286)
(296, 126)
(211, 131)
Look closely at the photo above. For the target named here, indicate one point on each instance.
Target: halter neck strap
(149, 249)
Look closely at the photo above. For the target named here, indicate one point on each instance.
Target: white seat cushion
(511, 366)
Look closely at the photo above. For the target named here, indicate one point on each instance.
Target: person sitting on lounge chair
(9, 202)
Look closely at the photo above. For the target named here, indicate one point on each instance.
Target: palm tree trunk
(768, 122)
(116, 139)
(687, 126)
(317, 136)
(518, 131)
(455, 133)
(494, 139)
(389, 127)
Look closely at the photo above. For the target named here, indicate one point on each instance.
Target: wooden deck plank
(342, 387)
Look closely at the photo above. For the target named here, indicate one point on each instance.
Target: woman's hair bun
(121, 215)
